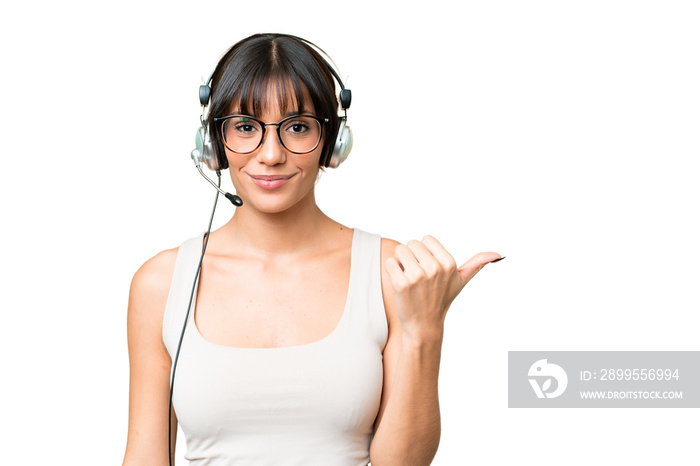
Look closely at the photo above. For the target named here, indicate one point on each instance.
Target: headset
(208, 152)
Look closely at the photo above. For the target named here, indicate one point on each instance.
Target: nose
(271, 151)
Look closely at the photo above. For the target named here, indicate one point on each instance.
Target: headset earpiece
(342, 146)
(343, 141)
(205, 151)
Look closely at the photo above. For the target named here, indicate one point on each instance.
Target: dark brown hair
(243, 76)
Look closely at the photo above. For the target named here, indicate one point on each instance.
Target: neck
(293, 231)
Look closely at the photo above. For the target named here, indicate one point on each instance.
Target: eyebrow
(295, 112)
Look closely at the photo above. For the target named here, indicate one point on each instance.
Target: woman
(307, 342)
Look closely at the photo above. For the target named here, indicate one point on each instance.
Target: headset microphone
(235, 200)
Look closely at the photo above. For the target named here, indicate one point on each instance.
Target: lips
(270, 181)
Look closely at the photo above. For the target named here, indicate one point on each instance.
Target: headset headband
(345, 94)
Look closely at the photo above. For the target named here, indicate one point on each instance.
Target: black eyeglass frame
(220, 124)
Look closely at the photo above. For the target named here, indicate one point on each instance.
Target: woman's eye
(297, 127)
(244, 128)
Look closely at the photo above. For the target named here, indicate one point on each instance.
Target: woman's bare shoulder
(151, 282)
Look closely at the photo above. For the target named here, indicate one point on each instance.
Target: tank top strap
(180, 288)
(367, 315)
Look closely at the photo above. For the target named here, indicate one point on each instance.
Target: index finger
(439, 252)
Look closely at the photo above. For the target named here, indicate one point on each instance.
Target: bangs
(279, 74)
(269, 94)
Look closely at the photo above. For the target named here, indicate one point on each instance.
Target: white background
(561, 134)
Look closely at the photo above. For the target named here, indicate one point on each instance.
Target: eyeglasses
(299, 134)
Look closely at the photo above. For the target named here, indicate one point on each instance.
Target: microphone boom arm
(235, 200)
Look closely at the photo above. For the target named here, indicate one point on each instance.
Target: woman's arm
(149, 363)
(419, 282)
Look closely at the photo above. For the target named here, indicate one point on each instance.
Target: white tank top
(312, 404)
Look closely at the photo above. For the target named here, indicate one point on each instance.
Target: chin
(277, 203)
